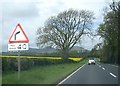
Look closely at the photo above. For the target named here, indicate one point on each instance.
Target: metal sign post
(19, 68)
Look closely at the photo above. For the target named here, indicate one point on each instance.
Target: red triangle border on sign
(20, 41)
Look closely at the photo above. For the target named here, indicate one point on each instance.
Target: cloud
(20, 10)
(32, 14)
(24, 13)
(89, 43)
(0, 27)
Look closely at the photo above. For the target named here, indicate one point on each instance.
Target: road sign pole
(19, 69)
(18, 41)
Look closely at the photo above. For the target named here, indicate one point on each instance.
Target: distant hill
(44, 50)
(33, 51)
(78, 48)
(36, 51)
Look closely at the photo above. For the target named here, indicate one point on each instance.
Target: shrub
(10, 64)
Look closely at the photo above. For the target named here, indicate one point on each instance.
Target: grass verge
(51, 74)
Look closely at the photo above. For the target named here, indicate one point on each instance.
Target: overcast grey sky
(32, 14)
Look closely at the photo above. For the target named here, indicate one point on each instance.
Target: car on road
(91, 61)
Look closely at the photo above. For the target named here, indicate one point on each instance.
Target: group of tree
(65, 30)
(109, 32)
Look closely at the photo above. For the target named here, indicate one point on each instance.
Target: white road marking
(113, 75)
(110, 73)
(103, 68)
(99, 65)
(70, 75)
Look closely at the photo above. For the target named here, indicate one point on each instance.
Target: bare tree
(65, 30)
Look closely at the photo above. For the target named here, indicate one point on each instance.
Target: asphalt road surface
(93, 74)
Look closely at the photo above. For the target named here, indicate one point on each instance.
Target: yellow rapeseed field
(75, 59)
(57, 58)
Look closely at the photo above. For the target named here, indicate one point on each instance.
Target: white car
(91, 61)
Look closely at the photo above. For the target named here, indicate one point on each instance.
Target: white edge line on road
(113, 75)
(113, 65)
(70, 75)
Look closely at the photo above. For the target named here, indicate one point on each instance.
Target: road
(93, 74)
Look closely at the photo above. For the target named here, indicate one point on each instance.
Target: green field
(50, 74)
(0, 79)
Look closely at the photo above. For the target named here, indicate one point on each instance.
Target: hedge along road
(50, 74)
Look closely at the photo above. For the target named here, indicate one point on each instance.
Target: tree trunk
(65, 53)
(112, 54)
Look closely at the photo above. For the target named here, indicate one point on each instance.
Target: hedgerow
(10, 64)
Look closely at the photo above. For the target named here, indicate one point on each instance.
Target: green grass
(0, 79)
(42, 75)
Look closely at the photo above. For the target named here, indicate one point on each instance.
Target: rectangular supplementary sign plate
(17, 46)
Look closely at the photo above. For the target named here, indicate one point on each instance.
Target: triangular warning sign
(18, 35)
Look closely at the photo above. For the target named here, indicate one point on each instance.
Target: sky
(32, 14)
